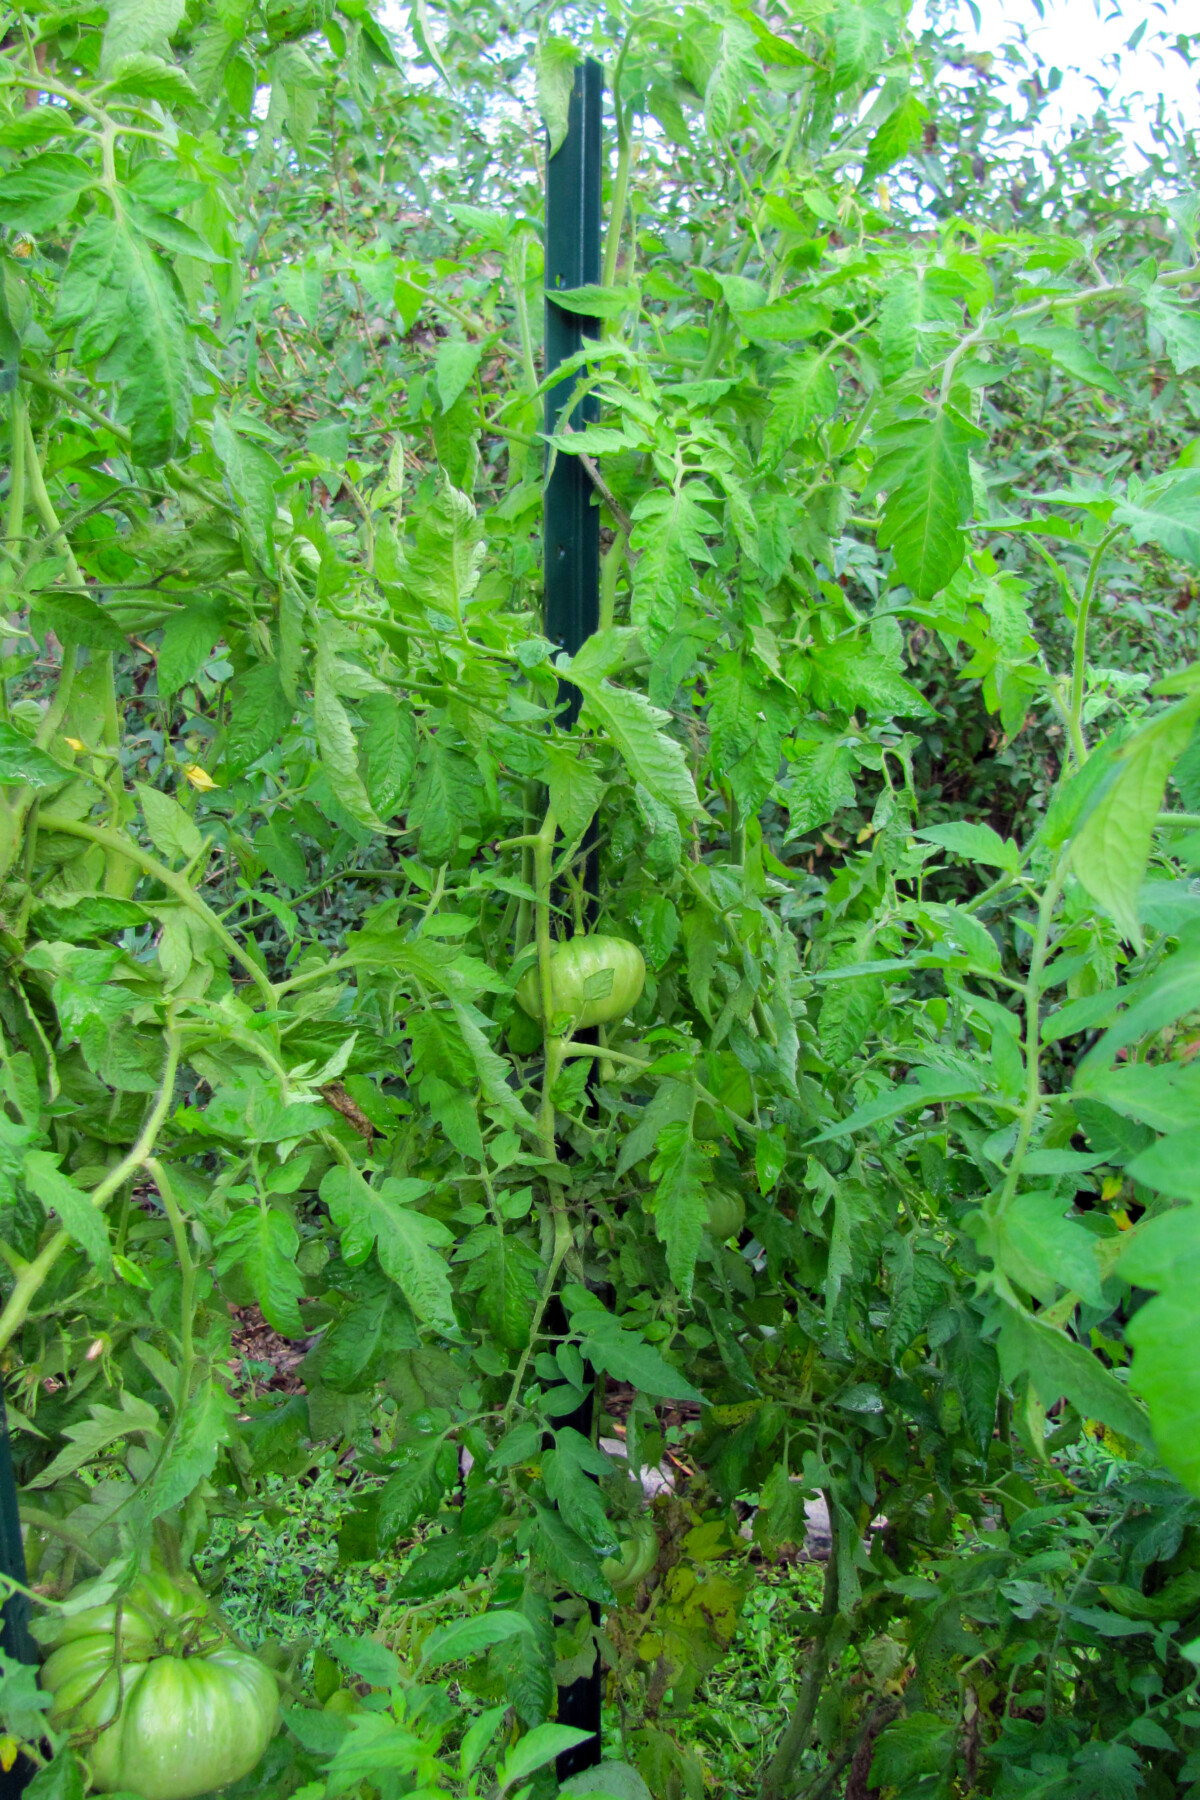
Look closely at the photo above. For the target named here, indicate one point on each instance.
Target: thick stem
(16, 496)
(795, 1739)
(620, 200)
(33, 1276)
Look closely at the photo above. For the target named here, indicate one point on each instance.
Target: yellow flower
(77, 744)
(885, 198)
(8, 1753)
(199, 778)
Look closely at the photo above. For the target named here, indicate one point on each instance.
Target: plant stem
(1033, 1085)
(1079, 658)
(516, 274)
(187, 1267)
(610, 569)
(32, 1277)
(175, 884)
(794, 1741)
(543, 861)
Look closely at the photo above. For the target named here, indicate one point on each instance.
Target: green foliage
(881, 744)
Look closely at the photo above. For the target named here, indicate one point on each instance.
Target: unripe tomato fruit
(572, 966)
(186, 1712)
(637, 1556)
(726, 1214)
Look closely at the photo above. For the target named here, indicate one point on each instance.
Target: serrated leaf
(263, 1242)
(190, 1454)
(627, 1357)
(1059, 1368)
(1176, 323)
(83, 1223)
(137, 25)
(407, 1242)
(977, 843)
(39, 194)
(669, 531)
(569, 1472)
(924, 468)
(21, 762)
(1166, 512)
(591, 301)
(504, 1272)
(466, 1639)
(253, 476)
(189, 639)
(337, 742)
(1164, 1255)
(895, 137)
(575, 790)
(105, 1425)
(129, 313)
(565, 1555)
(389, 748)
(1110, 850)
(174, 834)
(153, 78)
(78, 619)
(680, 1201)
(457, 361)
(443, 801)
(633, 725)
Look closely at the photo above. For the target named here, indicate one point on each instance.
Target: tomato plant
(870, 853)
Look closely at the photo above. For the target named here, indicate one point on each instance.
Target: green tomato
(184, 1714)
(577, 969)
(638, 1555)
(726, 1214)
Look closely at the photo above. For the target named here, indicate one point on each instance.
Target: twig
(602, 488)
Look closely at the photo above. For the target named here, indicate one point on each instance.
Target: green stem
(794, 1741)
(521, 306)
(543, 864)
(187, 1267)
(1033, 1083)
(1079, 659)
(30, 1280)
(610, 570)
(175, 884)
(16, 492)
(620, 195)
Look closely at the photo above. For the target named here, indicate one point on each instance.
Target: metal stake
(572, 575)
(15, 1639)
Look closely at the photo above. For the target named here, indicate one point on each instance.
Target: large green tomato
(635, 1559)
(726, 1214)
(576, 971)
(185, 1713)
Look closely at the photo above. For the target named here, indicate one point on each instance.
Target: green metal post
(15, 1640)
(572, 577)
(572, 540)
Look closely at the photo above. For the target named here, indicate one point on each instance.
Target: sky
(1086, 40)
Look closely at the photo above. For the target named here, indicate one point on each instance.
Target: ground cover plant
(852, 1171)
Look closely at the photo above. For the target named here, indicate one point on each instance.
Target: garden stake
(15, 1640)
(572, 577)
